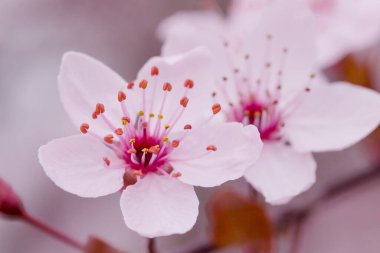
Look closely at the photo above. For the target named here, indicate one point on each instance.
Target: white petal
(159, 205)
(280, 173)
(76, 165)
(83, 82)
(291, 26)
(238, 148)
(333, 117)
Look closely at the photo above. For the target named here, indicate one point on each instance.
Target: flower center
(145, 144)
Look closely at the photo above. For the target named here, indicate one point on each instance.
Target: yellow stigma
(167, 126)
(160, 116)
(145, 150)
(141, 113)
(165, 139)
(151, 115)
(257, 114)
(133, 140)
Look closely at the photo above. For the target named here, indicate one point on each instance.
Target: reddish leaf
(96, 245)
(238, 220)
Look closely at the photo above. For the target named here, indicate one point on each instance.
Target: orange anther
(187, 127)
(184, 101)
(175, 143)
(189, 84)
(106, 161)
(143, 84)
(131, 151)
(121, 96)
(108, 138)
(119, 131)
(84, 128)
(154, 149)
(216, 108)
(154, 71)
(211, 148)
(176, 174)
(99, 108)
(167, 87)
(94, 115)
(130, 85)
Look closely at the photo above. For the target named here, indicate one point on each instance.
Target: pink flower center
(144, 145)
(258, 100)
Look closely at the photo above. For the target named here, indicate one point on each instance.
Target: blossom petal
(176, 69)
(76, 165)
(159, 205)
(285, 38)
(281, 173)
(333, 117)
(238, 148)
(83, 82)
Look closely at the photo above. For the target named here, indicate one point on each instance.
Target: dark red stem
(52, 232)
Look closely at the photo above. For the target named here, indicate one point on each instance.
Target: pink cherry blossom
(153, 139)
(266, 79)
(344, 26)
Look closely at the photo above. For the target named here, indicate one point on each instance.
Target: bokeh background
(122, 33)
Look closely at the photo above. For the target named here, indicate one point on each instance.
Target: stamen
(175, 143)
(108, 138)
(211, 148)
(125, 120)
(167, 87)
(154, 149)
(143, 84)
(119, 131)
(121, 96)
(154, 71)
(176, 174)
(106, 161)
(130, 85)
(216, 108)
(99, 108)
(184, 101)
(84, 128)
(189, 84)
(187, 127)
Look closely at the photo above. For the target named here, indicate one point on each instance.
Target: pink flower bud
(10, 203)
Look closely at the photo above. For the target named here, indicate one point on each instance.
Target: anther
(224, 78)
(99, 108)
(211, 148)
(160, 116)
(167, 87)
(132, 140)
(213, 94)
(119, 131)
(108, 138)
(246, 56)
(189, 84)
(121, 96)
(307, 89)
(141, 113)
(125, 120)
(167, 126)
(84, 128)
(184, 101)
(187, 127)
(154, 149)
(175, 143)
(145, 150)
(131, 151)
(165, 139)
(94, 115)
(216, 108)
(143, 84)
(151, 115)
(176, 174)
(106, 161)
(130, 85)
(154, 71)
